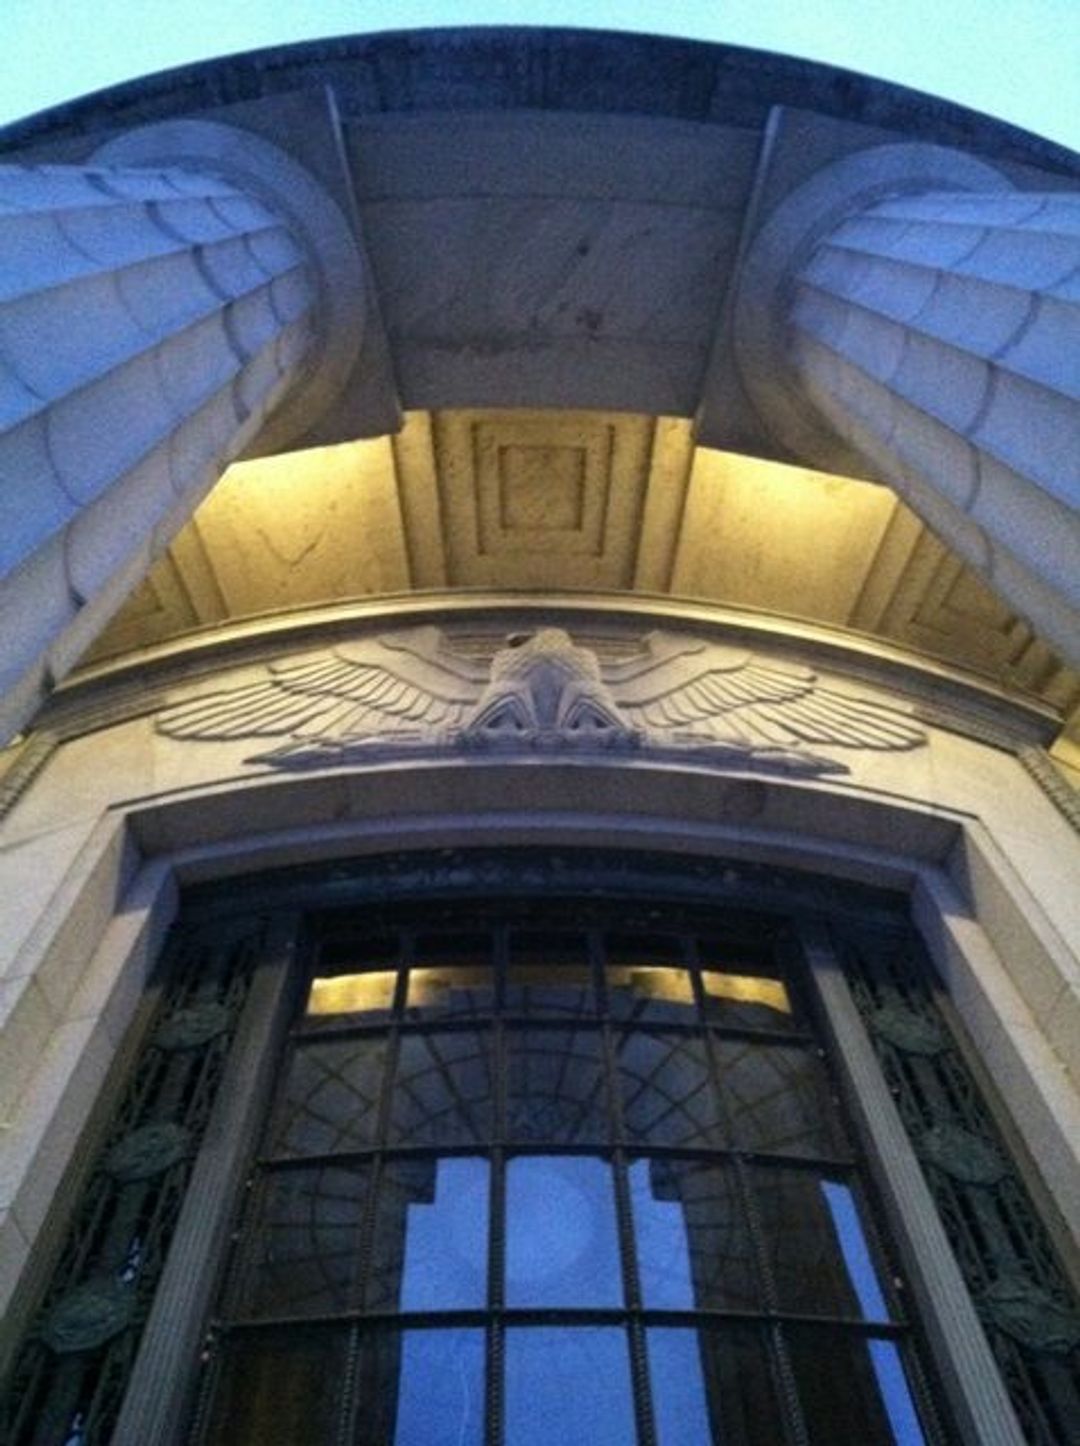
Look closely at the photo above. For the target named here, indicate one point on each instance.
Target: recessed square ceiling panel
(542, 499)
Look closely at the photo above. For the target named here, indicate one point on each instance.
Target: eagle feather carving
(411, 689)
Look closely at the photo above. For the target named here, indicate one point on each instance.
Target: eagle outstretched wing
(718, 691)
(396, 683)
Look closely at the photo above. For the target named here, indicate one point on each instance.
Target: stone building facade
(655, 476)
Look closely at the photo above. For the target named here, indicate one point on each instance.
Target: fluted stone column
(937, 331)
(151, 318)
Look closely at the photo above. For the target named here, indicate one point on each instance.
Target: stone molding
(1061, 794)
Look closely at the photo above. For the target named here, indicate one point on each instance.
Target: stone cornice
(506, 68)
(137, 684)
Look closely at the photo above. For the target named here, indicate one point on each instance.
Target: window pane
(549, 973)
(852, 1390)
(431, 1236)
(451, 977)
(331, 1097)
(778, 1099)
(651, 992)
(742, 985)
(818, 1250)
(712, 1386)
(693, 1243)
(647, 979)
(443, 1092)
(279, 1387)
(304, 1242)
(555, 1087)
(355, 983)
(562, 1244)
(419, 1388)
(568, 1385)
(350, 998)
(666, 1092)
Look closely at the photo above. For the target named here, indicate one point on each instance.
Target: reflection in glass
(419, 1388)
(331, 1097)
(431, 1235)
(693, 1242)
(555, 1087)
(562, 1244)
(818, 1251)
(746, 1001)
(778, 1099)
(279, 1387)
(442, 1380)
(712, 1385)
(666, 1093)
(852, 1390)
(443, 1092)
(370, 995)
(650, 992)
(548, 973)
(647, 979)
(568, 1385)
(304, 1242)
(680, 1410)
(452, 977)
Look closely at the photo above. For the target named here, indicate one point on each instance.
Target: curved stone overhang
(551, 218)
(507, 68)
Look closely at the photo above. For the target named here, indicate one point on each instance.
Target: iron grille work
(1023, 1297)
(68, 1379)
(578, 1183)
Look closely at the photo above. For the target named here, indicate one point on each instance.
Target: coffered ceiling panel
(546, 501)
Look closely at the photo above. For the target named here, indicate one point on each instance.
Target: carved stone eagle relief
(410, 692)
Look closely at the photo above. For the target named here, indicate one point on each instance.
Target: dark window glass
(667, 1095)
(817, 1246)
(431, 1236)
(555, 1091)
(443, 1090)
(568, 1385)
(562, 1246)
(451, 977)
(713, 1386)
(304, 1241)
(331, 1097)
(548, 974)
(419, 1388)
(694, 1246)
(279, 1387)
(778, 1099)
(852, 1390)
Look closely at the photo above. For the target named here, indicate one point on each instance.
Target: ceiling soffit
(549, 502)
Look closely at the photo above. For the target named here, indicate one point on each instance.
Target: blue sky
(1017, 59)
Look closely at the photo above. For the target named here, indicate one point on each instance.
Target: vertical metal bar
(639, 1368)
(969, 1374)
(154, 1404)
